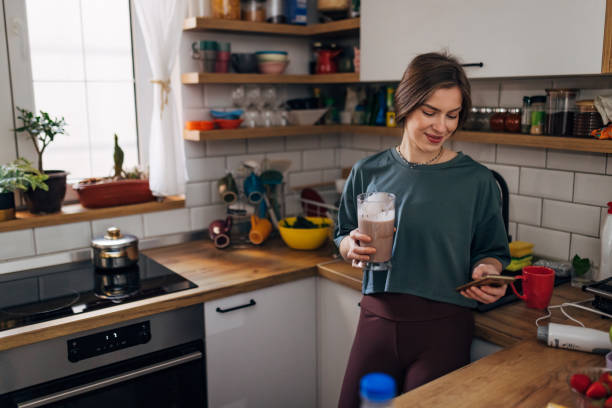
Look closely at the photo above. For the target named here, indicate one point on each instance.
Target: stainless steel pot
(114, 250)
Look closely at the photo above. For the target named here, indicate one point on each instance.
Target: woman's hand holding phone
(486, 293)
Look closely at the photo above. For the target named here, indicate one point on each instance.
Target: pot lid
(114, 238)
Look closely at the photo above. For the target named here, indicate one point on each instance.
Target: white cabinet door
(511, 38)
(337, 318)
(262, 355)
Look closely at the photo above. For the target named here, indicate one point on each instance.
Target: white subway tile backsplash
(576, 161)
(512, 226)
(15, 244)
(223, 147)
(547, 243)
(217, 95)
(509, 173)
(18, 292)
(346, 140)
(266, 145)
(513, 90)
(546, 183)
(304, 178)
(485, 92)
(209, 168)
(234, 163)
(609, 164)
(197, 194)
(331, 175)
(366, 142)
(62, 237)
(293, 205)
(166, 222)
(193, 97)
(194, 150)
(583, 219)
(201, 217)
(332, 140)
(131, 224)
(348, 157)
(477, 151)
(215, 198)
(294, 157)
(302, 142)
(521, 156)
(525, 210)
(593, 189)
(196, 114)
(318, 159)
(586, 247)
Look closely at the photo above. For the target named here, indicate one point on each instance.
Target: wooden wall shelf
(340, 27)
(510, 139)
(215, 78)
(76, 213)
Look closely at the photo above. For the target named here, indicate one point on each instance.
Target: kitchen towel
(603, 104)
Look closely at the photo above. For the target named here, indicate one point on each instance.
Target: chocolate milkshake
(376, 218)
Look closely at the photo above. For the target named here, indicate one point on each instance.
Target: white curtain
(161, 22)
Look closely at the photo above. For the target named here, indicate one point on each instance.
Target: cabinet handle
(251, 303)
(474, 64)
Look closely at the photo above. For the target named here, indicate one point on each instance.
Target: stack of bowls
(272, 62)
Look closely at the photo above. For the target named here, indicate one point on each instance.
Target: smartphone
(491, 280)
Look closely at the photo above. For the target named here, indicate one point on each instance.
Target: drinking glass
(376, 218)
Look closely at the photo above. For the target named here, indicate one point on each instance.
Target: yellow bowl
(305, 238)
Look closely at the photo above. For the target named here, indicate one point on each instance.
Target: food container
(306, 117)
(276, 12)
(199, 125)
(254, 10)
(496, 121)
(471, 123)
(272, 67)
(560, 110)
(512, 121)
(228, 123)
(267, 56)
(581, 400)
(114, 250)
(537, 114)
(587, 119)
(226, 9)
(305, 238)
(484, 119)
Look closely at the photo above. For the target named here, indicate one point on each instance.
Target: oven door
(169, 378)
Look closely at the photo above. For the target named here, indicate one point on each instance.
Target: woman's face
(432, 123)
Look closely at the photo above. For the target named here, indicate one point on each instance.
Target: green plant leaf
(581, 265)
(20, 175)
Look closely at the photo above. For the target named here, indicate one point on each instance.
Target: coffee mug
(260, 229)
(254, 189)
(219, 232)
(538, 284)
(228, 189)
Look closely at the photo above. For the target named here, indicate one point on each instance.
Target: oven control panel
(108, 341)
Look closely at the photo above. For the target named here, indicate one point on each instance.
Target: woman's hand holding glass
(356, 253)
(484, 294)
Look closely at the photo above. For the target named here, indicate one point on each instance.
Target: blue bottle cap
(377, 387)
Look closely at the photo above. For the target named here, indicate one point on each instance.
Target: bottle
(537, 115)
(390, 107)
(605, 266)
(377, 390)
(526, 116)
(575, 338)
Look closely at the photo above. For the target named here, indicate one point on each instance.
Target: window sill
(76, 213)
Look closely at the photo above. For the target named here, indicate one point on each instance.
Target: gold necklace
(413, 165)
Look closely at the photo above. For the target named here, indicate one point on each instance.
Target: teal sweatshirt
(448, 217)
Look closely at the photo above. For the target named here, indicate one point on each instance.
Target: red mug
(538, 284)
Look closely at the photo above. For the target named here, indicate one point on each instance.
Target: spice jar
(497, 119)
(586, 119)
(537, 114)
(227, 9)
(526, 115)
(254, 10)
(512, 121)
(471, 123)
(484, 119)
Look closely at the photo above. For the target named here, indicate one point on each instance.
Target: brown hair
(425, 74)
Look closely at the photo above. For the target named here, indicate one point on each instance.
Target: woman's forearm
(489, 261)
(344, 247)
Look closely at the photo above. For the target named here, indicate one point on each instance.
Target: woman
(449, 230)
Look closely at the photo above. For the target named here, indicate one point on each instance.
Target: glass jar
(226, 9)
(586, 119)
(497, 119)
(471, 123)
(254, 10)
(537, 114)
(526, 115)
(567, 111)
(276, 12)
(484, 119)
(512, 121)
(552, 125)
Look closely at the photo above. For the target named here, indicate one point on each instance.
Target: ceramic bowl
(306, 117)
(199, 125)
(228, 123)
(234, 114)
(263, 56)
(273, 67)
(305, 238)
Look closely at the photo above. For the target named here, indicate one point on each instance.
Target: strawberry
(606, 378)
(597, 390)
(580, 382)
(608, 403)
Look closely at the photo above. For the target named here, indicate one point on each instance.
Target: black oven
(157, 361)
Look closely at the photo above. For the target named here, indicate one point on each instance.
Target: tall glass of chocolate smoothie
(376, 218)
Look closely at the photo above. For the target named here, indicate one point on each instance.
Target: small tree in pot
(18, 175)
(42, 129)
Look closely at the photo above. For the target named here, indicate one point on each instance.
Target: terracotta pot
(41, 201)
(108, 194)
(7, 206)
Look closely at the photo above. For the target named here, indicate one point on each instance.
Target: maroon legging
(414, 340)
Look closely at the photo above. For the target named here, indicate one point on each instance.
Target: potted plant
(18, 175)
(122, 188)
(42, 129)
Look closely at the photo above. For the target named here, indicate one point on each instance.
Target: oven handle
(62, 395)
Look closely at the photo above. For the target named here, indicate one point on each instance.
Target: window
(82, 69)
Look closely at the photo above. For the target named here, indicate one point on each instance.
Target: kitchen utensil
(228, 123)
(306, 117)
(272, 67)
(253, 188)
(538, 282)
(244, 62)
(219, 232)
(222, 61)
(234, 114)
(271, 211)
(260, 230)
(326, 63)
(305, 238)
(302, 103)
(275, 11)
(228, 189)
(114, 250)
(199, 125)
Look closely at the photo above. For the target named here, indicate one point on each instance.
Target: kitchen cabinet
(337, 317)
(512, 38)
(262, 355)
